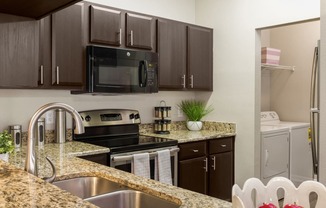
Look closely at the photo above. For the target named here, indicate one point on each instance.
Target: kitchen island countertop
(20, 189)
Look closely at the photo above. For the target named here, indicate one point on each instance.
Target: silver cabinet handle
(57, 74)
(191, 81)
(131, 37)
(42, 74)
(206, 164)
(183, 81)
(223, 145)
(195, 150)
(214, 161)
(120, 35)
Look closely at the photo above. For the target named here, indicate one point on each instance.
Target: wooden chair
(248, 198)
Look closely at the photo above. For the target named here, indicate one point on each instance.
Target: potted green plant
(194, 110)
(6, 145)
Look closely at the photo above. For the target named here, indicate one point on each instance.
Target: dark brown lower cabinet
(221, 175)
(194, 176)
(208, 167)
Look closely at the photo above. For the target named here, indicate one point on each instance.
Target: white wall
(17, 106)
(287, 92)
(290, 91)
(237, 72)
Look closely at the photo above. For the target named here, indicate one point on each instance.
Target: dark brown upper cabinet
(186, 56)
(18, 52)
(172, 47)
(62, 49)
(36, 9)
(140, 31)
(200, 58)
(105, 26)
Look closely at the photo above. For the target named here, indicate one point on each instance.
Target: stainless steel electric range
(118, 129)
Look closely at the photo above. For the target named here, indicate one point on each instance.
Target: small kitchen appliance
(16, 134)
(118, 129)
(114, 70)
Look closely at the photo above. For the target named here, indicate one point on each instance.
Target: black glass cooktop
(145, 142)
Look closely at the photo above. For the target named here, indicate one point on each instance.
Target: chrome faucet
(31, 161)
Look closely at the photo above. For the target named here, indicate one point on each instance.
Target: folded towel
(140, 165)
(163, 167)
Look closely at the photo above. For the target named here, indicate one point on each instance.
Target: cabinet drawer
(192, 150)
(220, 145)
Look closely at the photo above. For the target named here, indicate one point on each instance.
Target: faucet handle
(52, 177)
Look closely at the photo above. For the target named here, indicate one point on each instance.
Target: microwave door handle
(142, 73)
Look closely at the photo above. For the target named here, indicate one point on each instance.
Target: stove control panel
(107, 117)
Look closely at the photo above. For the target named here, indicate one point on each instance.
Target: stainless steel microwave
(114, 70)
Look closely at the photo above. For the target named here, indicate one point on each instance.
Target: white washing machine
(274, 160)
(301, 167)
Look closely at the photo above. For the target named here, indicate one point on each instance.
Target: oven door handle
(151, 154)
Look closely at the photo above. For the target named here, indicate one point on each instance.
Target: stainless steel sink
(85, 187)
(130, 199)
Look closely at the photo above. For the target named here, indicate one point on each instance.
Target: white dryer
(274, 160)
(301, 166)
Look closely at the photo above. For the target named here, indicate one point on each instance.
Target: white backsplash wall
(17, 106)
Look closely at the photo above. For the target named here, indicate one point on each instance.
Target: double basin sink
(108, 194)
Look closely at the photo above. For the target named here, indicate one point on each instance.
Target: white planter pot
(4, 157)
(194, 125)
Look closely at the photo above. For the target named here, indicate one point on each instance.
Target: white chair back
(247, 198)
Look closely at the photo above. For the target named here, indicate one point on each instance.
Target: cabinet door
(221, 175)
(105, 26)
(200, 58)
(18, 52)
(172, 47)
(45, 66)
(67, 46)
(193, 174)
(139, 31)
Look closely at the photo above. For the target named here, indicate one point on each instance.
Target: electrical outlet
(180, 113)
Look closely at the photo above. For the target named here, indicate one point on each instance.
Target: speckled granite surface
(20, 189)
(211, 130)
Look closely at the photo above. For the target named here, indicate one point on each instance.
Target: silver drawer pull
(214, 163)
(223, 145)
(195, 150)
(206, 165)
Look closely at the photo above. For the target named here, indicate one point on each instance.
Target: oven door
(122, 161)
(111, 70)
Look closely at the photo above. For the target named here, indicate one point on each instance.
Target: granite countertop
(211, 130)
(184, 136)
(20, 189)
